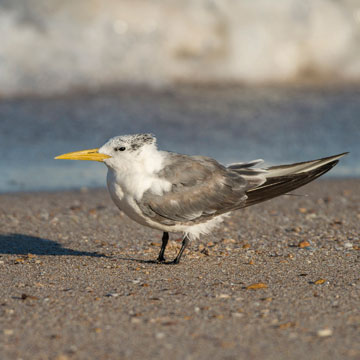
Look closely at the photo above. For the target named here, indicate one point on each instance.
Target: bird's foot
(174, 262)
(160, 260)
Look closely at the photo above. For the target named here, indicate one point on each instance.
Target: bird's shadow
(22, 244)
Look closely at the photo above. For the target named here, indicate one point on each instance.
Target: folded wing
(201, 189)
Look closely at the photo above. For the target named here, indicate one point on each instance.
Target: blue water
(280, 125)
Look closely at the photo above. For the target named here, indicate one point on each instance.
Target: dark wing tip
(342, 154)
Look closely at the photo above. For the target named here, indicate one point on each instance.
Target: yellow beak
(92, 155)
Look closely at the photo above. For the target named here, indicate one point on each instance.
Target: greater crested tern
(189, 194)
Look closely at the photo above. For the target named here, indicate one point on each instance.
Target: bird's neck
(148, 162)
(133, 178)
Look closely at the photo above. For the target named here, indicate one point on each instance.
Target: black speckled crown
(133, 142)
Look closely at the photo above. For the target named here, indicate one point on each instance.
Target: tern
(189, 194)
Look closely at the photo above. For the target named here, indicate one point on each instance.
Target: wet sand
(76, 284)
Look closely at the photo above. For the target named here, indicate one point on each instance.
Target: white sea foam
(50, 46)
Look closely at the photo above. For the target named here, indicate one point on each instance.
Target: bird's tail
(284, 178)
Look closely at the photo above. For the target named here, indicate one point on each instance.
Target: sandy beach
(277, 281)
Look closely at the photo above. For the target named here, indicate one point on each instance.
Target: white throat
(137, 173)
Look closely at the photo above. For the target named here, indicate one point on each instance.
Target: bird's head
(117, 152)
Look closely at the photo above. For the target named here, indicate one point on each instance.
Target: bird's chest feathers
(127, 190)
(135, 176)
(135, 184)
(129, 181)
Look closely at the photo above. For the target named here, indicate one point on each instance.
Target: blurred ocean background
(232, 79)
(51, 46)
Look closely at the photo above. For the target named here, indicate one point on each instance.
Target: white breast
(125, 191)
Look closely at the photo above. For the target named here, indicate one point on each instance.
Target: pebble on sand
(324, 332)
(319, 281)
(304, 244)
(256, 286)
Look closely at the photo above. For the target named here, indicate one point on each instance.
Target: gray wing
(201, 189)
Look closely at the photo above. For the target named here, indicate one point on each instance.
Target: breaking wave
(51, 46)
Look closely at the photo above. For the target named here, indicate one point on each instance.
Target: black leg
(165, 240)
(185, 243)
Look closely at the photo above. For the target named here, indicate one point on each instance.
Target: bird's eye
(122, 148)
